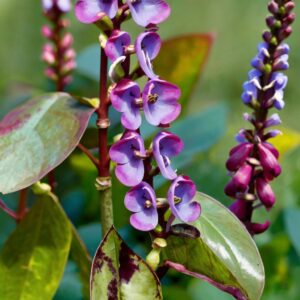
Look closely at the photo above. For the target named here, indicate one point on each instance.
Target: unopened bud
(153, 259)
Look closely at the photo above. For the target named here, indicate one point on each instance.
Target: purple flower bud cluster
(253, 164)
(157, 101)
(58, 53)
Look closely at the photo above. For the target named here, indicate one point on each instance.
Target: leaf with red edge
(182, 59)
(119, 274)
(38, 136)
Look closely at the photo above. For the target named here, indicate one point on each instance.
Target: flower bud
(67, 41)
(242, 177)
(256, 228)
(273, 7)
(269, 162)
(265, 192)
(47, 32)
(238, 156)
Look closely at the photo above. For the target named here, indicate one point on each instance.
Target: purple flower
(126, 98)
(265, 192)
(257, 228)
(242, 177)
(240, 209)
(62, 5)
(141, 200)
(160, 102)
(116, 44)
(90, 11)
(250, 92)
(238, 156)
(166, 145)
(274, 120)
(281, 63)
(147, 47)
(129, 153)
(146, 12)
(180, 198)
(268, 162)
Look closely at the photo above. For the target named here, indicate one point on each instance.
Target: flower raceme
(253, 164)
(144, 12)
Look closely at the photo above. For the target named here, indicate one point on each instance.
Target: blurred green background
(237, 25)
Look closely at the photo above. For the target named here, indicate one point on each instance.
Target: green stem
(106, 210)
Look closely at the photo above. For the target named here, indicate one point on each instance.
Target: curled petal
(90, 11)
(146, 12)
(160, 102)
(147, 47)
(116, 44)
(180, 197)
(166, 145)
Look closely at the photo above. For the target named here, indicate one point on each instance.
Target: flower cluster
(58, 52)
(158, 101)
(253, 164)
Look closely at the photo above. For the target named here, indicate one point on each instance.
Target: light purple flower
(250, 92)
(160, 102)
(62, 5)
(126, 98)
(129, 153)
(180, 198)
(274, 120)
(90, 11)
(166, 145)
(146, 12)
(141, 200)
(147, 47)
(281, 63)
(116, 44)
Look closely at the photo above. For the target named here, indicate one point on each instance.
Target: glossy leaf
(119, 274)
(292, 223)
(37, 137)
(181, 61)
(33, 259)
(225, 255)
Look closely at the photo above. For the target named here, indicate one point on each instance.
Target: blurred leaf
(181, 61)
(118, 273)
(83, 260)
(37, 137)
(33, 259)
(287, 142)
(88, 62)
(292, 223)
(225, 255)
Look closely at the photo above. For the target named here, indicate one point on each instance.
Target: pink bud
(238, 156)
(67, 41)
(70, 54)
(47, 32)
(265, 193)
(48, 57)
(256, 228)
(50, 73)
(242, 177)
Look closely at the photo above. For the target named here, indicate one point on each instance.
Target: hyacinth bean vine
(190, 232)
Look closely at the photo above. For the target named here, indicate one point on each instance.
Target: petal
(136, 197)
(145, 12)
(131, 119)
(90, 11)
(189, 212)
(64, 5)
(131, 173)
(145, 220)
(116, 44)
(147, 47)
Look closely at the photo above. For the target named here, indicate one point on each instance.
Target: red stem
(7, 210)
(89, 154)
(22, 208)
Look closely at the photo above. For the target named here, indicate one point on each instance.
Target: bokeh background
(237, 25)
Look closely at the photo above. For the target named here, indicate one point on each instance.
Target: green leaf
(181, 61)
(37, 137)
(225, 255)
(118, 273)
(292, 223)
(83, 260)
(33, 259)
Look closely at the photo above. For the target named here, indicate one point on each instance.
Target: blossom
(147, 47)
(62, 5)
(160, 102)
(129, 153)
(141, 200)
(126, 98)
(116, 44)
(180, 197)
(166, 145)
(145, 12)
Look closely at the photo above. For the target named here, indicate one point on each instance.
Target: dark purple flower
(268, 161)
(116, 44)
(271, 148)
(129, 153)
(160, 102)
(166, 145)
(62, 5)
(90, 11)
(265, 192)
(146, 12)
(180, 198)
(126, 98)
(242, 177)
(147, 47)
(240, 209)
(238, 156)
(141, 200)
(257, 228)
